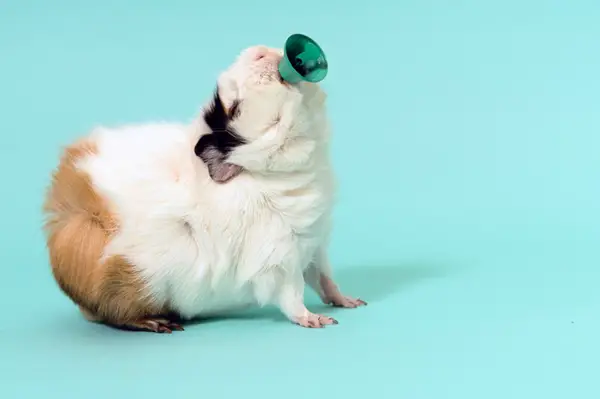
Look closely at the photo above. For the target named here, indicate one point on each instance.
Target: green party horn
(303, 59)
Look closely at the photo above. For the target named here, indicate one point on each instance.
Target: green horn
(303, 59)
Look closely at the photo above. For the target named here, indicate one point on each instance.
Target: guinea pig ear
(219, 169)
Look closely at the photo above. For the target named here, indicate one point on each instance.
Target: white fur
(204, 247)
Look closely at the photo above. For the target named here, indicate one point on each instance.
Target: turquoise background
(467, 147)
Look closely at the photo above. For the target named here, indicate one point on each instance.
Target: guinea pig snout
(260, 54)
(269, 66)
(264, 54)
(264, 62)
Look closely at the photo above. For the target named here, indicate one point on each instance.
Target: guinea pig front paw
(312, 320)
(342, 301)
(331, 295)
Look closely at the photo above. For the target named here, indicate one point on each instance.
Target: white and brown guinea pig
(150, 225)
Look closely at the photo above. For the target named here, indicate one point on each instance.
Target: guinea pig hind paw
(157, 325)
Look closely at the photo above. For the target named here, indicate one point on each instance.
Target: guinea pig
(150, 225)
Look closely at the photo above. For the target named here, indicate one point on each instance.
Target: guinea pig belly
(197, 294)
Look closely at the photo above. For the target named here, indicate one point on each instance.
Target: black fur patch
(223, 137)
(214, 147)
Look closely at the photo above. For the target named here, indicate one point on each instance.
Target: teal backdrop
(467, 145)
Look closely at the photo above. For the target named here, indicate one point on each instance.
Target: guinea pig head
(252, 115)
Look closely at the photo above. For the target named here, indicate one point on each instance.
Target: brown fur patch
(123, 297)
(79, 225)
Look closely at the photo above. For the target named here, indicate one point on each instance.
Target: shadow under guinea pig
(370, 283)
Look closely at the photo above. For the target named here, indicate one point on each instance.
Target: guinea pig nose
(260, 54)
